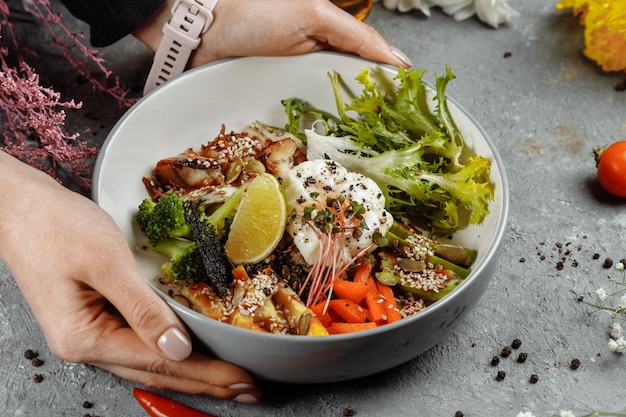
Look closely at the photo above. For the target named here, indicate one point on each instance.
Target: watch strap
(181, 35)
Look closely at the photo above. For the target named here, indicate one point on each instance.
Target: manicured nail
(246, 398)
(241, 386)
(400, 55)
(174, 344)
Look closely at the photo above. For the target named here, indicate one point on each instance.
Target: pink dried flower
(34, 129)
(34, 124)
(67, 41)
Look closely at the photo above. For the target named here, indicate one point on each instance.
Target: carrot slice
(240, 273)
(354, 291)
(338, 328)
(349, 310)
(371, 282)
(323, 316)
(389, 303)
(374, 304)
(363, 272)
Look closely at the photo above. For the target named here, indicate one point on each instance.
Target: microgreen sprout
(335, 215)
(335, 219)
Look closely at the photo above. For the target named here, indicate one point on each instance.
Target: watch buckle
(197, 8)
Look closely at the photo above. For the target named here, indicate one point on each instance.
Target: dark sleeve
(111, 20)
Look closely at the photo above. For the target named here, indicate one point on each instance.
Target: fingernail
(400, 55)
(174, 344)
(241, 386)
(246, 398)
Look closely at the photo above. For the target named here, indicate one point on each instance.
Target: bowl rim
(475, 273)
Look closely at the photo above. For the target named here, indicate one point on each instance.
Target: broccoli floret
(164, 219)
(185, 263)
(190, 237)
(221, 218)
(144, 214)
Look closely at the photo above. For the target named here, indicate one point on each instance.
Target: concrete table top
(546, 107)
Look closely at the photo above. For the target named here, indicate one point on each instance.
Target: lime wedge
(259, 223)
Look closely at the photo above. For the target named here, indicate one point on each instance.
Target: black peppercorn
(37, 378)
(501, 375)
(534, 378)
(37, 362)
(522, 357)
(347, 412)
(458, 414)
(506, 351)
(575, 364)
(608, 262)
(516, 344)
(87, 404)
(30, 354)
(495, 361)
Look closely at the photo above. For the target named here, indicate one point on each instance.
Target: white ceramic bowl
(187, 112)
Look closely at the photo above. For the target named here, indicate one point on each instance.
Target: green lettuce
(416, 155)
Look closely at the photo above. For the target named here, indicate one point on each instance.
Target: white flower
(617, 345)
(619, 266)
(458, 9)
(616, 330)
(408, 5)
(567, 413)
(602, 294)
(492, 12)
(525, 414)
(622, 301)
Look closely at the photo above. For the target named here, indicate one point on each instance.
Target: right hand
(278, 28)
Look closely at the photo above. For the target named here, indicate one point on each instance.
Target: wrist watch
(181, 35)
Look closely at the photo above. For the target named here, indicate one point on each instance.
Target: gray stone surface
(546, 107)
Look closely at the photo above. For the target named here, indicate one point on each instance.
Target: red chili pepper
(158, 406)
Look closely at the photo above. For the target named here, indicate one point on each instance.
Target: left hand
(79, 276)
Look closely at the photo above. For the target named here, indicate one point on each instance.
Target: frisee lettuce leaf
(416, 155)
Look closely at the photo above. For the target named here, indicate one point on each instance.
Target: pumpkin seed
(411, 264)
(233, 170)
(182, 300)
(453, 253)
(254, 166)
(286, 272)
(304, 323)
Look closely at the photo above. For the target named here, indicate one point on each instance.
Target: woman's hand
(278, 28)
(78, 275)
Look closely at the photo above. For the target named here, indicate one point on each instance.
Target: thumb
(158, 326)
(154, 322)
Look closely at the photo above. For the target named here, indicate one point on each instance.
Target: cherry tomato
(612, 168)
